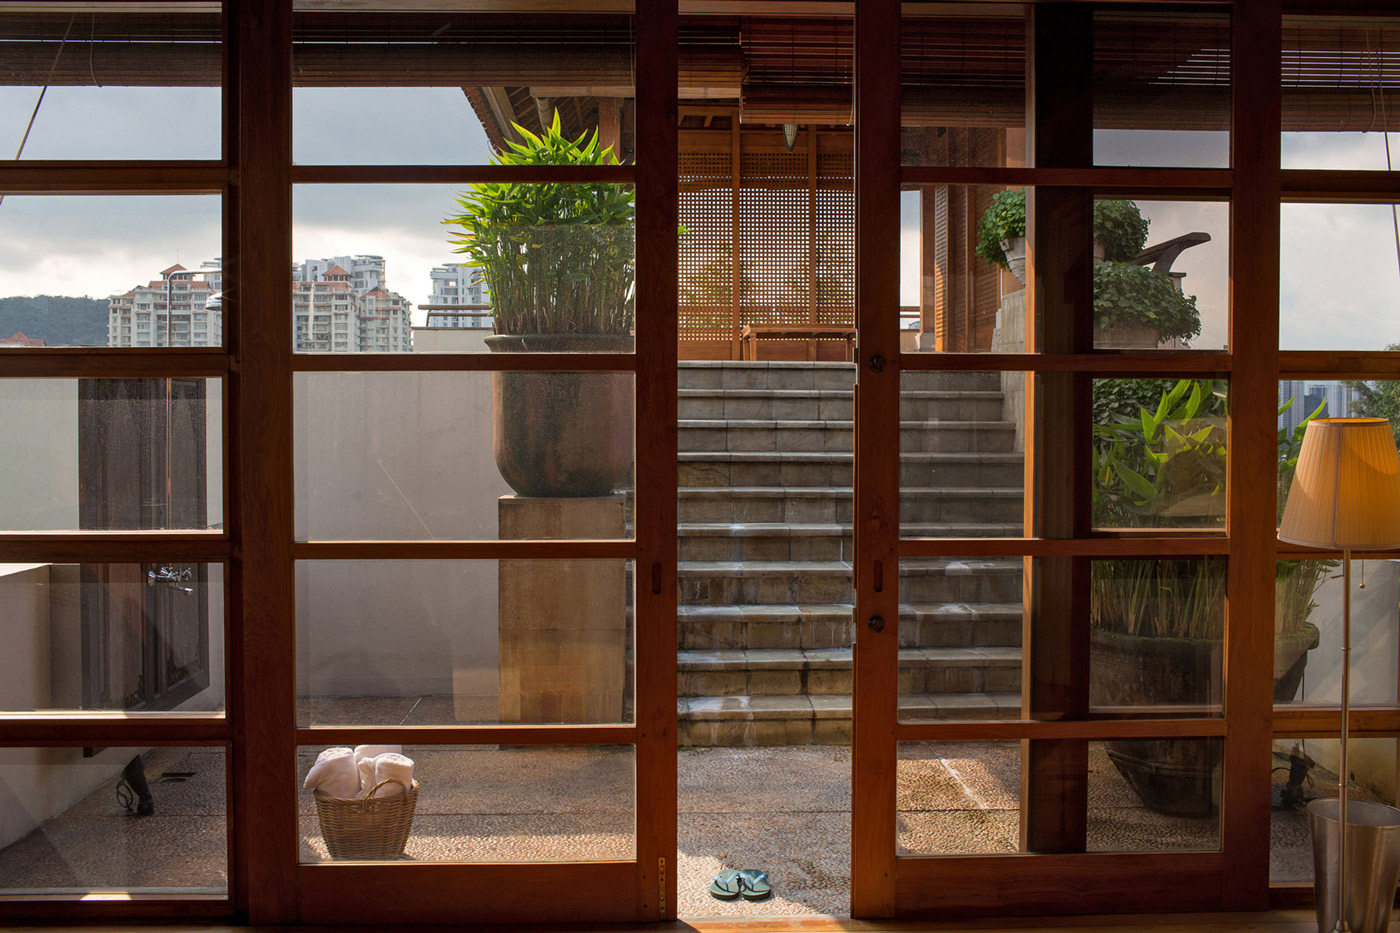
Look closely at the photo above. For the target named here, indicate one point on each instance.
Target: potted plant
(1120, 231)
(558, 259)
(1157, 626)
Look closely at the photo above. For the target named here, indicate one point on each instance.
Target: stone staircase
(765, 549)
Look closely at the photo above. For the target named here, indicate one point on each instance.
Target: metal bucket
(1373, 863)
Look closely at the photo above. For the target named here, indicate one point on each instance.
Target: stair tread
(838, 706)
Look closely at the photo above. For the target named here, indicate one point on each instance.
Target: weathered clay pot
(1176, 776)
(562, 434)
(1015, 251)
(1126, 337)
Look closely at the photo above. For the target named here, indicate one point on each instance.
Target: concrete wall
(395, 455)
(38, 454)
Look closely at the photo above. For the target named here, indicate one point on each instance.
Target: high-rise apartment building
(331, 312)
(459, 297)
(174, 311)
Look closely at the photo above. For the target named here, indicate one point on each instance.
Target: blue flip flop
(726, 885)
(753, 884)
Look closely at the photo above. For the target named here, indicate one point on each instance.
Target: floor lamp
(1345, 496)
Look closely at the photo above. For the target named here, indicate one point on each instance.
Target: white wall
(395, 455)
(38, 454)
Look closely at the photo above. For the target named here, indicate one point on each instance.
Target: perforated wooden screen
(793, 236)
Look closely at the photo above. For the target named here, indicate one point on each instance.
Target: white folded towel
(334, 773)
(373, 751)
(392, 766)
(366, 768)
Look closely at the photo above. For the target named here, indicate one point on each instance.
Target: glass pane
(455, 87)
(964, 87)
(555, 268)
(106, 271)
(1162, 279)
(960, 638)
(1154, 795)
(1336, 76)
(134, 84)
(1308, 636)
(111, 454)
(1338, 268)
(69, 821)
(484, 803)
(1159, 455)
(765, 551)
(959, 798)
(411, 455)
(1304, 770)
(113, 636)
(962, 445)
(1162, 89)
(434, 642)
(1157, 634)
(962, 269)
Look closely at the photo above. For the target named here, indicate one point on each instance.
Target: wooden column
(257, 313)
(1055, 643)
(658, 216)
(876, 492)
(1253, 456)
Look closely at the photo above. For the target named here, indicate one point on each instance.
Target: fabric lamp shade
(1346, 489)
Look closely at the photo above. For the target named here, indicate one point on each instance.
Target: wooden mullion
(1257, 35)
(999, 730)
(127, 177)
(461, 362)
(112, 363)
(462, 174)
(1346, 187)
(98, 728)
(264, 761)
(1040, 884)
(100, 547)
(875, 566)
(1176, 182)
(1104, 363)
(114, 906)
(1114, 546)
(657, 502)
(1331, 364)
(1308, 722)
(580, 549)
(516, 734)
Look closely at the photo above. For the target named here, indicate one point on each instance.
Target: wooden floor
(1281, 921)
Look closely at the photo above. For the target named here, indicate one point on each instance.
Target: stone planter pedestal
(563, 623)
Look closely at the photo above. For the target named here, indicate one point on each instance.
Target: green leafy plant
(1165, 467)
(1126, 293)
(557, 257)
(1118, 225)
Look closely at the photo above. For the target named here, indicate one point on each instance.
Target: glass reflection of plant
(1163, 465)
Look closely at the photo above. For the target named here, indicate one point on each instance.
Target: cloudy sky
(1340, 276)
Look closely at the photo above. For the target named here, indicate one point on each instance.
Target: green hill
(57, 320)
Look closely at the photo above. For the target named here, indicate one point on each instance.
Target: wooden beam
(462, 174)
(1044, 730)
(582, 549)
(461, 362)
(581, 734)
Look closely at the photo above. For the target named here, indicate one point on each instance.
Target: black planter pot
(562, 434)
(1179, 777)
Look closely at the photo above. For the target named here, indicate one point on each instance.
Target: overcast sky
(1340, 277)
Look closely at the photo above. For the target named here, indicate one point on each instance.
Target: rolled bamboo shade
(1346, 490)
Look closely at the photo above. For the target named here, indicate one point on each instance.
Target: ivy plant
(1118, 225)
(1126, 293)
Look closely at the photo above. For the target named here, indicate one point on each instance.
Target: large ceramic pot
(562, 434)
(1179, 777)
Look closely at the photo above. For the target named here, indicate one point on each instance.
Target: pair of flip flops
(750, 884)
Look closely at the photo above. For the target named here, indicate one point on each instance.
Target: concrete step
(833, 468)
(737, 374)
(809, 540)
(793, 436)
(820, 719)
(832, 505)
(827, 671)
(829, 625)
(971, 504)
(720, 583)
(831, 405)
(946, 381)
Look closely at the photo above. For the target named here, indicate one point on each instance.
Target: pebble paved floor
(785, 810)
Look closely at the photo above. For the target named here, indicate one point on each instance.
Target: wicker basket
(367, 827)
